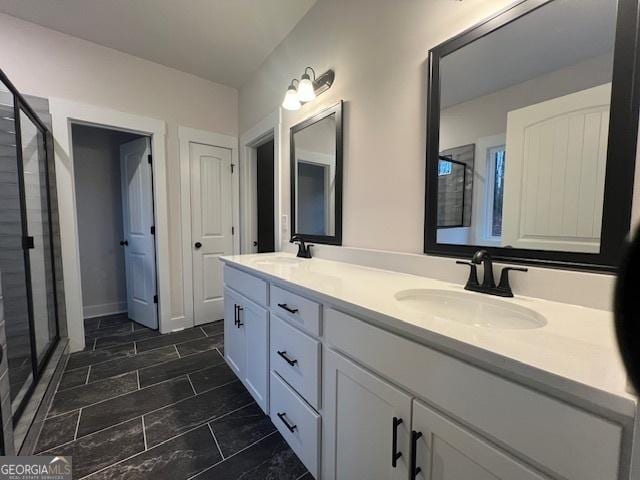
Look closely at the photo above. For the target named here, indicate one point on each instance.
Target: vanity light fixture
(307, 89)
(291, 101)
(306, 92)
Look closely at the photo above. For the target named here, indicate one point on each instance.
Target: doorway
(265, 241)
(115, 223)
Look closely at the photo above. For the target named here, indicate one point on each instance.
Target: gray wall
(96, 160)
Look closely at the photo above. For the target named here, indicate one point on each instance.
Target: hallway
(136, 404)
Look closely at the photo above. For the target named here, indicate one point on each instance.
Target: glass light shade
(306, 92)
(291, 101)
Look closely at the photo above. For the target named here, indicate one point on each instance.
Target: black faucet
(304, 250)
(503, 289)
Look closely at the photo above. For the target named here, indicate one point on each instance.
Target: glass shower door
(13, 272)
(34, 164)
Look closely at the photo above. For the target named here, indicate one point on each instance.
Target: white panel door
(211, 225)
(137, 216)
(358, 425)
(556, 155)
(446, 451)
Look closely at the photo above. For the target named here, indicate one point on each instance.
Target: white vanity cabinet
(356, 401)
(246, 344)
(366, 424)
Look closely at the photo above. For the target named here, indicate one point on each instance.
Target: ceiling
(558, 35)
(220, 40)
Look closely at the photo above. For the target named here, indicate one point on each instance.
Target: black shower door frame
(21, 105)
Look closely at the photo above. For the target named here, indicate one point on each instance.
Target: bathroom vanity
(370, 374)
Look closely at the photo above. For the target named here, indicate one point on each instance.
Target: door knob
(124, 243)
(255, 243)
(197, 245)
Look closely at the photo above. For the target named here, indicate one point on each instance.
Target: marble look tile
(175, 368)
(170, 339)
(82, 359)
(120, 338)
(91, 324)
(128, 364)
(56, 431)
(215, 328)
(178, 458)
(73, 378)
(131, 405)
(212, 377)
(172, 420)
(106, 331)
(241, 428)
(85, 395)
(269, 459)
(101, 449)
(200, 345)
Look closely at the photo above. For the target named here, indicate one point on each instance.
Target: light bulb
(306, 92)
(291, 101)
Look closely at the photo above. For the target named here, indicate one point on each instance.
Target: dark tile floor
(139, 405)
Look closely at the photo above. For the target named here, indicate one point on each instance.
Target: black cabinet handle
(238, 310)
(286, 307)
(413, 470)
(283, 417)
(124, 243)
(287, 358)
(235, 314)
(395, 454)
(197, 245)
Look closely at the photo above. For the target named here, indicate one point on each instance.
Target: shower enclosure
(27, 268)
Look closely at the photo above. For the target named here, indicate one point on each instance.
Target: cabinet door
(234, 335)
(446, 451)
(254, 321)
(358, 424)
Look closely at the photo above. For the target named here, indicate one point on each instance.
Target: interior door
(138, 242)
(446, 451)
(359, 426)
(211, 224)
(556, 155)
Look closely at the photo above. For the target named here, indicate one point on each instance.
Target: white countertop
(575, 354)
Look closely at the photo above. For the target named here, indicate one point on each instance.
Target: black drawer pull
(238, 310)
(288, 308)
(283, 417)
(395, 454)
(413, 470)
(287, 358)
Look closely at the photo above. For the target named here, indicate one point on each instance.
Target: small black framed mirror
(542, 97)
(316, 177)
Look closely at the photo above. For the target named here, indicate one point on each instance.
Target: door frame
(186, 136)
(267, 129)
(64, 113)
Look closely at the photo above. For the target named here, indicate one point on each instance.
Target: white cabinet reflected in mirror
(316, 177)
(519, 136)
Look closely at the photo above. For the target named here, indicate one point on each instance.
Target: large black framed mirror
(544, 98)
(316, 177)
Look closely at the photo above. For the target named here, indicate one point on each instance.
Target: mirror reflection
(314, 154)
(524, 116)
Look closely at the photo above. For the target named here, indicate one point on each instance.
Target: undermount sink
(470, 309)
(278, 261)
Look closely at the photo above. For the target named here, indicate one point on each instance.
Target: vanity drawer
(564, 439)
(297, 422)
(296, 357)
(251, 287)
(300, 311)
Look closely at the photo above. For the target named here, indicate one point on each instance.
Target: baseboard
(91, 311)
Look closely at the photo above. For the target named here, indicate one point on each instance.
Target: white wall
(96, 158)
(379, 50)
(46, 63)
